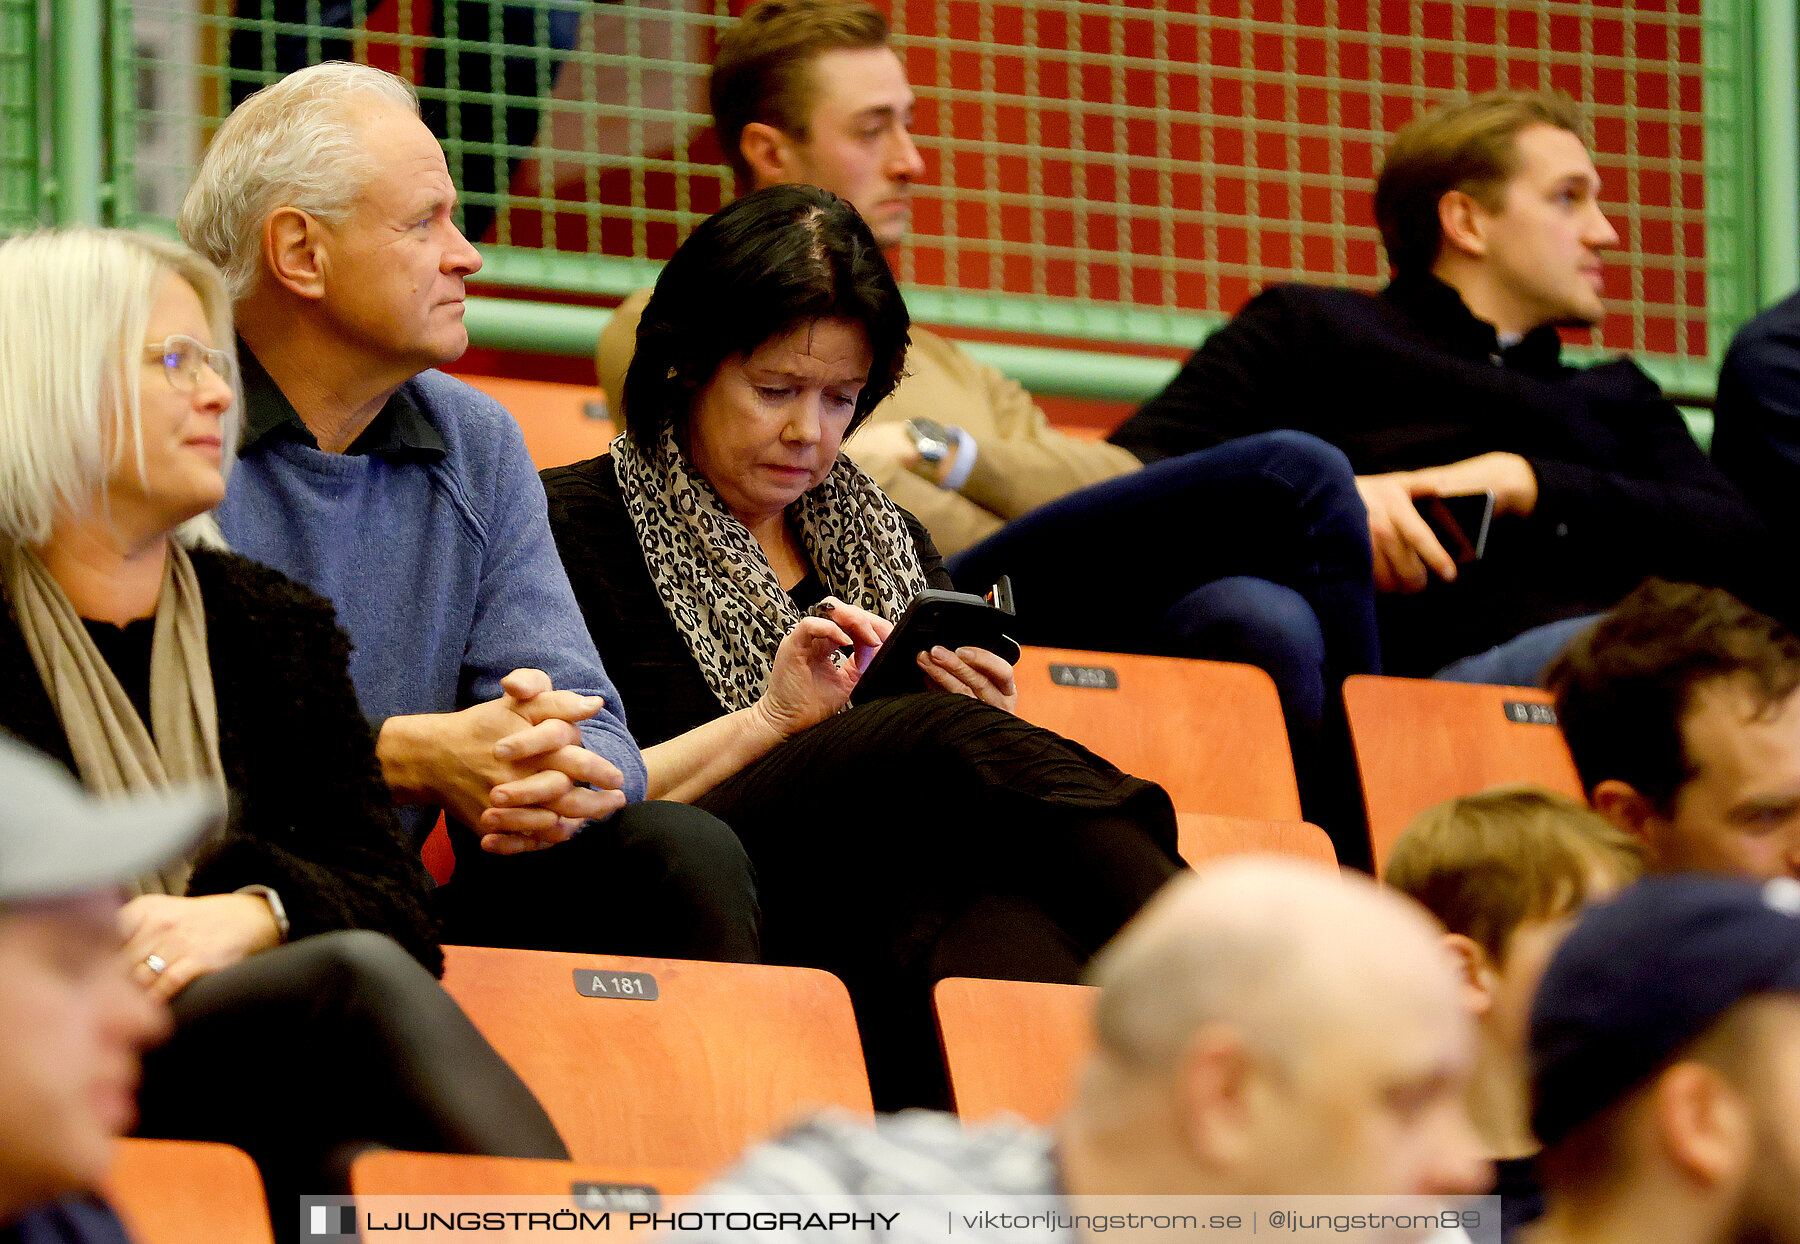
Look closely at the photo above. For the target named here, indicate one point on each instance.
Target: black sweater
(312, 818)
(665, 693)
(1409, 379)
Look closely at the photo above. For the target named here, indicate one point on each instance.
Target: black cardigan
(664, 691)
(1409, 379)
(312, 817)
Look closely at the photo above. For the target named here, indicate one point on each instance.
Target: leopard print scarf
(718, 587)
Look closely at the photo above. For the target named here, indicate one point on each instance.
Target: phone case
(952, 619)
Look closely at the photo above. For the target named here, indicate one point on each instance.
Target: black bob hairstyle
(760, 267)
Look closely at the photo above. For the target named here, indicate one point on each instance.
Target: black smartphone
(952, 619)
(1460, 523)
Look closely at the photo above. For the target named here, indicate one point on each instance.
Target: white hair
(292, 144)
(74, 307)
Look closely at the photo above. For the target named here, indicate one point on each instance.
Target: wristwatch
(931, 441)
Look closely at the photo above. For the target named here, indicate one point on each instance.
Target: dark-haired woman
(724, 553)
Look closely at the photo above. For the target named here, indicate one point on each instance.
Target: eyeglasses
(182, 358)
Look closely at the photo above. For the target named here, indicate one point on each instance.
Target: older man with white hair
(407, 498)
(1263, 1028)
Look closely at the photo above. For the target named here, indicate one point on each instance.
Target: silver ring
(156, 964)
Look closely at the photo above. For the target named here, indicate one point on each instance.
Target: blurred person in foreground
(1263, 1028)
(1665, 1049)
(1506, 872)
(73, 1024)
(1681, 712)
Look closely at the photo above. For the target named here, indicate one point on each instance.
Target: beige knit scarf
(114, 751)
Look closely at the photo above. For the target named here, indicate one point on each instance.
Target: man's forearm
(403, 747)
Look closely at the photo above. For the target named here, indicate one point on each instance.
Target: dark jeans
(305, 1053)
(1521, 661)
(660, 879)
(1254, 551)
(480, 76)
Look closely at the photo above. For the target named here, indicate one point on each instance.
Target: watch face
(929, 439)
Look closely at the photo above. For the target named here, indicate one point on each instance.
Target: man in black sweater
(1449, 382)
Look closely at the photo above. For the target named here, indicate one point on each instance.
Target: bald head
(1276, 1027)
(1283, 951)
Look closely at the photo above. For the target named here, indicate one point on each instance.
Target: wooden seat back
(1012, 1046)
(1210, 732)
(555, 418)
(179, 1191)
(393, 1172)
(724, 1055)
(1419, 742)
(1204, 837)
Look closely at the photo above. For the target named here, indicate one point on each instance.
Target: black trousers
(931, 835)
(662, 879)
(306, 1053)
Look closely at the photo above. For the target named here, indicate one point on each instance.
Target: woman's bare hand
(813, 675)
(973, 672)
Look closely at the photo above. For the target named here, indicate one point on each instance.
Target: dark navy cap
(1644, 974)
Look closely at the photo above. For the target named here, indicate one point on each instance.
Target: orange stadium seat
(554, 417)
(1205, 837)
(180, 1191)
(393, 1172)
(1420, 742)
(724, 1054)
(1012, 1046)
(1210, 732)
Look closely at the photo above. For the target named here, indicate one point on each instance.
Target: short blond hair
(292, 144)
(1485, 864)
(74, 307)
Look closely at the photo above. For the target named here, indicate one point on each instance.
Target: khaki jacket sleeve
(953, 520)
(618, 341)
(1021, 462)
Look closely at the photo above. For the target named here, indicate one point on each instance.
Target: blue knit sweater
(442, 569)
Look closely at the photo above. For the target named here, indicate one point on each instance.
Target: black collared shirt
(1401, 380)
(400, 431)
(1437, 312)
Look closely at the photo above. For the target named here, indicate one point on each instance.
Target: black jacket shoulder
(312, 818)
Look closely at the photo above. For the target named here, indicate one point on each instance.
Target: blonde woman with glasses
(295, 946)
